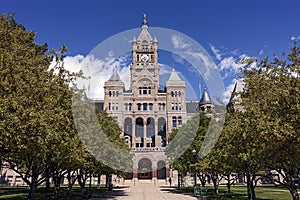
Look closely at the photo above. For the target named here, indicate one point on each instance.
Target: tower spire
(145, 20)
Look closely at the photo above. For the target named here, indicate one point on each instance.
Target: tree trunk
(47, 179)
(99, 181)
(215, 180)
(70, 181)
(248, 180)
(57, 180)
(252, 190)
(90, 186)
(228, 184)
(294, 193)
(32, 186)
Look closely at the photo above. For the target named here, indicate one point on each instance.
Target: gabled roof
(174, 76)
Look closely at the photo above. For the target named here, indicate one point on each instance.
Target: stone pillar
(135, 174)
(145, 132)
(156, 129)
(133, 145)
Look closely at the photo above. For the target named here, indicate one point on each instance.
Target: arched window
(150, 106)
(130, 107)
(151, 131)
(139, 128)
(174, 122)
(139, 106)
(144, 106)
(162, 130)
(179, 121)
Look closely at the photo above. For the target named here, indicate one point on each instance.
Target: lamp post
(194, 162)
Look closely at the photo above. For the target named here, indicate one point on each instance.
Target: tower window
(150, 106)
(144, 90)
(139, 106)
(174, 122)
(138, 58)
(129, 108)
(179, 121)
(144, 106)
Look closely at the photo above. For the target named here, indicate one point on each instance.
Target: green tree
(271, 99)
(35, 123)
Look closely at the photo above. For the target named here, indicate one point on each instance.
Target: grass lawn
(240, 193)
(20, 193)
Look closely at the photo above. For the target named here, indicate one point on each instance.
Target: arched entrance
(145, 169)
(161, 170)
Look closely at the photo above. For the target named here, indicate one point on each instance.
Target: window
(113, 106)
(139, 106)
(114, 93)
(109, 106)
(138, 56)
(144, 90)
(179, 121)
(174, 122)
(179, 93)
(109, 93)
(144, 106)
(126, 106)
(130, 107)
(179, 106)
(150, 106)
(172, 93)
(176, 106)
(173, 107)
(117, 93)
(116, 119)
(117, 106)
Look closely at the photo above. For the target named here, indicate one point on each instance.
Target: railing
(143, 149)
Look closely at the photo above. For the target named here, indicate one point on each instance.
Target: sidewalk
(145, 190)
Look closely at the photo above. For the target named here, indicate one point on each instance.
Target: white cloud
(99, 71)
(179, 42)
(216, 51)
(295, 38)
(231, 64)
(261, 52)
(228, 91)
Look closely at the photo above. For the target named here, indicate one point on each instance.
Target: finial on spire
(145, 20)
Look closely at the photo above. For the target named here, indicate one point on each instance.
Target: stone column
(133, 145)
(135, 174)
(145, 132)
(156, 129)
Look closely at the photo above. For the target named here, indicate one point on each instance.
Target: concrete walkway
(145, 190)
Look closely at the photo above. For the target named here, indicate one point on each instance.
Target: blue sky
(226, 29)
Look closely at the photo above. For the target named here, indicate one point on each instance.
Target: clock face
(144, 58)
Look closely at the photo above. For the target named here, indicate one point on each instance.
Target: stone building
(146, 113)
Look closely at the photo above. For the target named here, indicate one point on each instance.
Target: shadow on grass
(116, 192)
(12, 193)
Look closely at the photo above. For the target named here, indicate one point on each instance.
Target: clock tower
(144, 69)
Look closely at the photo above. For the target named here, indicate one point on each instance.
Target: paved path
(146, 191)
